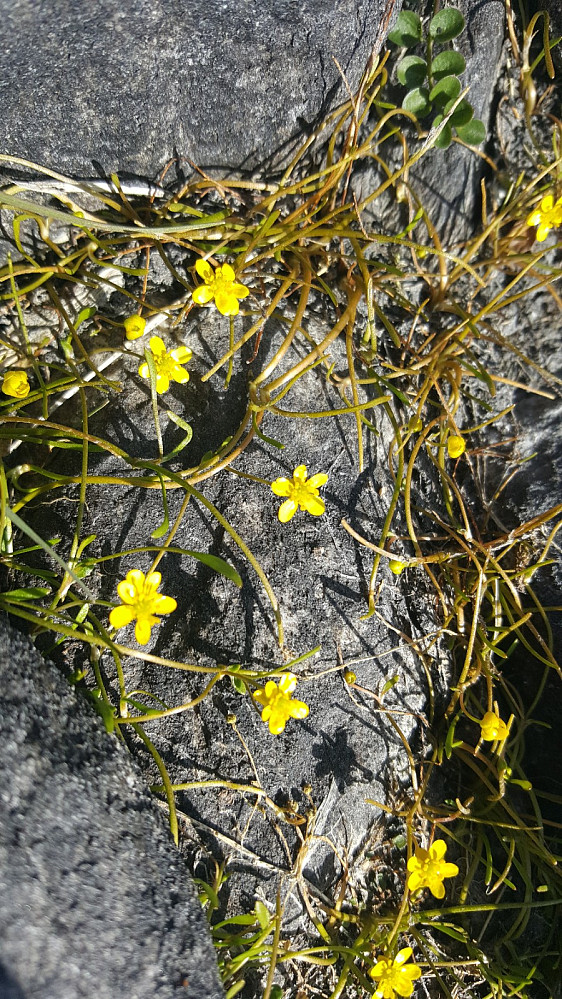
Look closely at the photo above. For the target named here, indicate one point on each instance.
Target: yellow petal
(240, 290)
(438, 849)
(227, 303)
(182, 355)
(403, 955)
(157, 346)
(543, 231)
(163, 605)
(437, 888)
(547, 203)
(121, 616)
(298, 709)
(153, 580)
(202, 294)
(226, 273)
(534, 218)
(144, 370)
(162, 383)
(179, 375)
(314, 505)
(300, 473)
(320, 479)
(282, 487)
(142, 630)
(287, 510)
(288, 683)
(204, 270)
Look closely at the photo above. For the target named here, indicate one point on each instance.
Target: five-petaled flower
(141, 602)
(395, 976)
(546, 216)
(220, 285)
(167, 364)
(455, 446)
(301, 492)
(134, 327)
(493, 729)
(428, 868)
(16, 384)
(278, 704)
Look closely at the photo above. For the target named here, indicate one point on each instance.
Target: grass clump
(255, 253)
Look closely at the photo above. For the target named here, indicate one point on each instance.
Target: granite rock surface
(94, 898)
(130, 86)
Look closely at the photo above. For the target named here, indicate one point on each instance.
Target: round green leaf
(417, 102)
(447, 63)
(461, 115)
(445, 137)
(446, 24)
(411, 71)
(474, 133)
(407, 30)
(447, 89)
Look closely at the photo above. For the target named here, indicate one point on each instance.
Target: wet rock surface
(95, 899)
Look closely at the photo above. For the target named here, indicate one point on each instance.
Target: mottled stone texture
(94, 899)
(129, 85)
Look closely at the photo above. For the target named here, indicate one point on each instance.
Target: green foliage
(432, 83)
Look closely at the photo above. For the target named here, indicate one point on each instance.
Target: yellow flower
(455, 446)
(546, 217)
(134, 327)
(396, 566)
(301, 493)
(168, 364)
(277, 703)
(493, 728)
(428, 868)
(220, 285)
(16, 384)
(395, 976)
(140, 602)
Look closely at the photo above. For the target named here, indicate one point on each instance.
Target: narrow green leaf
(84, 315)
(447, 89)
(29, 593)
(407, 30)
(473, 133)
(447, 63)
(417, 102)
(262, 914)
(446, 24)
(411, 71)
(238, 684)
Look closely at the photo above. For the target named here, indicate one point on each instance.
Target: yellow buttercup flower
(428, 868)
(168, 364)
(140, 603)
(546, 217)
(455, 446)
(277, 703)
(493, 728)
(395, 977)
(301, 492)
(16, 384)
(220, 285)
(134, 327)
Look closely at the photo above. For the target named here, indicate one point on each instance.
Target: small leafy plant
(433, 82)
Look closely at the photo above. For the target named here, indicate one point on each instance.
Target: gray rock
(132, 85)
(94, 898)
